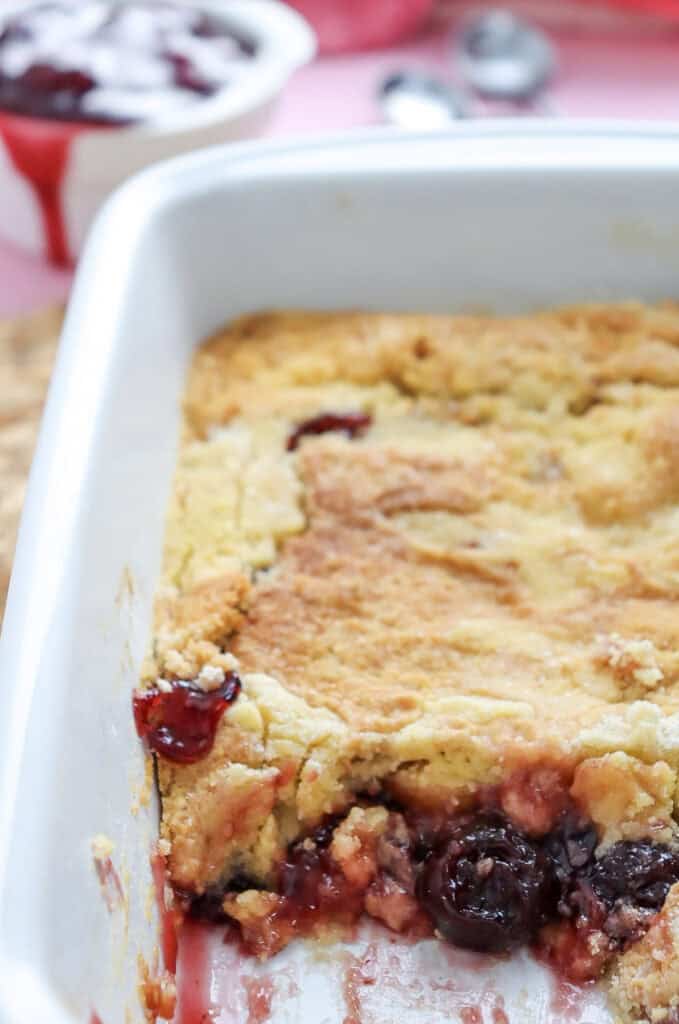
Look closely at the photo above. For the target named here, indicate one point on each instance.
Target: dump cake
(416, 649)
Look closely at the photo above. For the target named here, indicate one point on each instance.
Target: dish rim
(67, 438)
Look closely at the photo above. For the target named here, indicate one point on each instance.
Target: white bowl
(51, 216)
(503, 216)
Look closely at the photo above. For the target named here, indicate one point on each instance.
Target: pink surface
(345, 25)
(601, 75)
(27, 283)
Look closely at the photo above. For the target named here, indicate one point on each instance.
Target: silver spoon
(504, 58)
(415, 100)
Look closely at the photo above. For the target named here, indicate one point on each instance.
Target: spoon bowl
(502, 57)
(416, 100)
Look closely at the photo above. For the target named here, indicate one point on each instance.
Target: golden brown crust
(645, 982)
(571, 353)
(490, 568)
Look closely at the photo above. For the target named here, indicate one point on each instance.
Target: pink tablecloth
(601, 75)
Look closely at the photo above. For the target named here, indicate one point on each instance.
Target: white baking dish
(503, 216)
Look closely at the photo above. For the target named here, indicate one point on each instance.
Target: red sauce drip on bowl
(193, 975)
(259, 993)
(170, 917)
(39, 151)
(180, 724)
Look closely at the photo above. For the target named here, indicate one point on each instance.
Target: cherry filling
(639, 874)
(569, 847)
(480, 881)
(180, 723)
(313, 886)
(488, 887)
(350, 423)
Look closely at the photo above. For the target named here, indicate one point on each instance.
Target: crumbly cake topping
(645, 981)
(483, 575)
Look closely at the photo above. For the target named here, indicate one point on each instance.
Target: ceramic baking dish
(502, 216)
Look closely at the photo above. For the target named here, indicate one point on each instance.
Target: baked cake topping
(455, 628)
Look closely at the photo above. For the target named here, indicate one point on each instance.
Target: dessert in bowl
(91, 92)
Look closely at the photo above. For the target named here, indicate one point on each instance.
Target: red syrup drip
(259, 993)
(193, 974)
(40, 151)
(170, 919)
(95, 1018)
(351, 993)
(498, 1012)
(358, 973)
(567, 999)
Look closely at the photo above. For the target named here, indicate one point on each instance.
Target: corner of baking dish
(132, 241)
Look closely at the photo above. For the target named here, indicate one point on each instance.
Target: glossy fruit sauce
(476, 879)
(179, 722)
(487, 886)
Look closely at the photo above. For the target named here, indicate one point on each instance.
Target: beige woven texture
(27, 349)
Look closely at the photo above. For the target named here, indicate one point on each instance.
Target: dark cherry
(309, 880)
(569, 849)
(613, 898)
(487, 887)
(426, 832)
(302, 875)
(180, 725)
(186, 74)
(350, 423)
(45, 78)
(637, 873)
